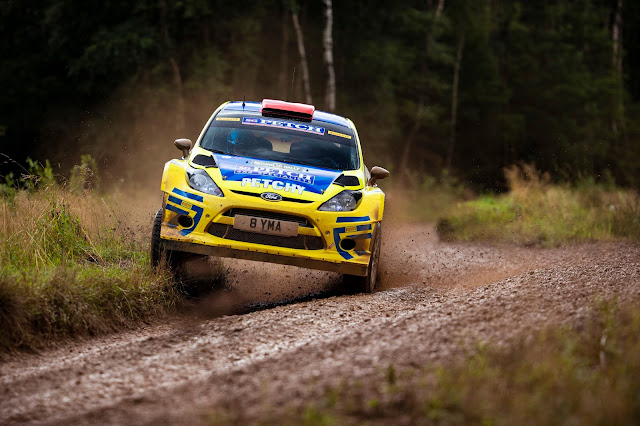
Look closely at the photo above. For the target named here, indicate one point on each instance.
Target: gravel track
(283, 348)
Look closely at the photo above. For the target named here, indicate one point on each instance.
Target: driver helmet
(239, 139)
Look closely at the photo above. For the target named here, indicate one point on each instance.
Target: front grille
(293, 200)
(303, 242)
(269, 215)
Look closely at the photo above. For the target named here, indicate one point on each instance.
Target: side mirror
(377, 173)
(184, 145)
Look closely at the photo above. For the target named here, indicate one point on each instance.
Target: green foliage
(85, 175)
(313, 417)
(36, 176)
(8, 188)
(537, 212)
(39, 175)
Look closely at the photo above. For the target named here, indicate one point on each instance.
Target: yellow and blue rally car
(274, 182)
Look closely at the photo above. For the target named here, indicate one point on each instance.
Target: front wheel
(176, 263)
(161, 257)
(367, 284)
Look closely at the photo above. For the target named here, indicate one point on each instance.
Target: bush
(538, 212)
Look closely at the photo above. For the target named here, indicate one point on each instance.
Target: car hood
(290, 180)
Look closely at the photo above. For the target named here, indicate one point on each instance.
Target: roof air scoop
(290, 110)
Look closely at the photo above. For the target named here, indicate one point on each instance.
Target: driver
(240, 141)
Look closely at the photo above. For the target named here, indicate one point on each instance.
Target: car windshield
(288, 142)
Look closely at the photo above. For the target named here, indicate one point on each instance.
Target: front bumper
(317, 246)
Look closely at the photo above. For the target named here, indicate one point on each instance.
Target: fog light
(185, 221)
(347, 244)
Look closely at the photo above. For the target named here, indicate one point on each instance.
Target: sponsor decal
(275, 176)
(227, 119)
(301, 127)
(342, 135)
(295, 176)
(271, 196)
(279, 165)
(277, 185)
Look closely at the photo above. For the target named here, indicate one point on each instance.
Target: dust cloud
(131, 136)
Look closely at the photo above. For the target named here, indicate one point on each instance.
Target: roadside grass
(588, 374)
(70, 266)
(536, 212)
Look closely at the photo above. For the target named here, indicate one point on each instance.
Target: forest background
(437, 88)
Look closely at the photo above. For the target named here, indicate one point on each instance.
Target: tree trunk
(438, 10)
(330, 93)
(617, 122)
(303, 58)
(454, 101)
(284, 58)
(617, 38)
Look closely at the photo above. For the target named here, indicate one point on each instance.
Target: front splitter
(343, 267)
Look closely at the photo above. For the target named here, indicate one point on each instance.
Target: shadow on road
(211, 301)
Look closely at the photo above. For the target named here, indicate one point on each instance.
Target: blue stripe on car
(352, 219)
(175, 209)
(175, 199)
(187, 194)
(336, 239)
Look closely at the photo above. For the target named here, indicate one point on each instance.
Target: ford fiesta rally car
(274, 182)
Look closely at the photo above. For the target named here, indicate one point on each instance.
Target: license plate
(262, 225)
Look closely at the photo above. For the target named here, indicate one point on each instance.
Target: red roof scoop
(291, 110)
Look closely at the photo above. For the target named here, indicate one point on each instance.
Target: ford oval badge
(271, 196)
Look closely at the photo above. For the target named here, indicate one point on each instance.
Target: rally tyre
(367, 284)
(161, 257)
(155, 240)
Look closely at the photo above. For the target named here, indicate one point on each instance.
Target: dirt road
(282, 349)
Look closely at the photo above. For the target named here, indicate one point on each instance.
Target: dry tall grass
(70, 265)
(535, 211)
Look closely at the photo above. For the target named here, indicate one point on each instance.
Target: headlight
(342, 202)
(200, 181)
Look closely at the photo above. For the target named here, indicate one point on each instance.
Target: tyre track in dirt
(436, 301)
